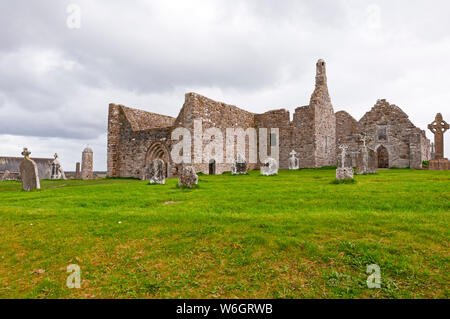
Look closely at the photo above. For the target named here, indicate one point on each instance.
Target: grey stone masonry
(87, 159)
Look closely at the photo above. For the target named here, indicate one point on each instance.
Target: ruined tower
(87, 163)
(314, 125)
(325, 121)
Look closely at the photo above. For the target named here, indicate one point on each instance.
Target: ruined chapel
(136, 137)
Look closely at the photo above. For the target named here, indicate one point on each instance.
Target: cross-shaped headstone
(343, 148)
(438, 128)
(26, 153)
(364, 138)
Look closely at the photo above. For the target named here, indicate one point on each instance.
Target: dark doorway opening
(383, 157)
(212, 167)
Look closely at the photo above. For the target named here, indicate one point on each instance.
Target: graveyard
(292, 235)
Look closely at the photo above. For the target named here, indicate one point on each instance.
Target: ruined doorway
(212, 167)
(158, 150)
(383, 157)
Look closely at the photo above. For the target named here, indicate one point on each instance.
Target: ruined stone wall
(277, 119)
(387, 125)
(134, 147)
(315, 132)
(347, 133)
(419, 148)
(12, 164)
(325, 137)
(130, 134)
(213, 114)
(302, 141)
(113, 155)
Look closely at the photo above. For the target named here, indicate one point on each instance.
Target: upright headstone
(155, 172)
(293, 160)
(344, 170)
(239, 165)
(188, 177)
(77, 170)
(29, 172)
(269, 167)
(438, 128)
(366, 159)
(57, 171)
(87, 163)
(432, 151)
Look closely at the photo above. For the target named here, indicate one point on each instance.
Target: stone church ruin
(137, 137)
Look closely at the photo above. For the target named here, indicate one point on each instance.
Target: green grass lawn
(295, 235)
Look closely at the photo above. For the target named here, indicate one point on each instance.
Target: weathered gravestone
(345, 170)
(293, 160)
(239, 166)
(29, 172)
(155, 172)
(366, 159)
(57, 171)
(269, 167)
(87, 163)
(438, 128)
(188, 177)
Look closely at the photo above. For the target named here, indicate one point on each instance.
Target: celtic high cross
(438, 128)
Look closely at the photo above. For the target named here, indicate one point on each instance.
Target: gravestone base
(344, 172)
(439, 164)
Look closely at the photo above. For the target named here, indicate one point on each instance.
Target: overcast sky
(56, 82)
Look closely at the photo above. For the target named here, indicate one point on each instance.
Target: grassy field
(295, 235)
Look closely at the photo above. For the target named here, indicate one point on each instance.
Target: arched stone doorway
(212, 167)
(383, 157)
(158, 150)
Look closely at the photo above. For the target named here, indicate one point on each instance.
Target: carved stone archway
(160, 151)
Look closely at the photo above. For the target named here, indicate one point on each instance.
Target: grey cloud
(256, 53)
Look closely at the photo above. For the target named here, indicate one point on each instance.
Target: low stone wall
(14, 176)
